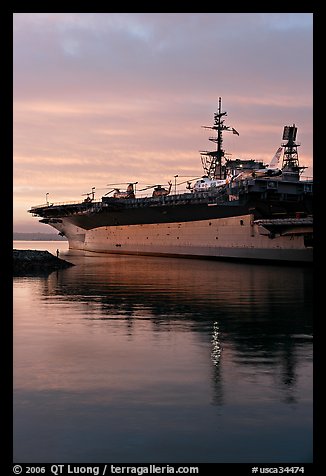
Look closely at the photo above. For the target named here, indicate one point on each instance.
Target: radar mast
(212, 160)
(290, 163)
(290, 157)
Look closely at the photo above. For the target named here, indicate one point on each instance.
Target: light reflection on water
(133, 359)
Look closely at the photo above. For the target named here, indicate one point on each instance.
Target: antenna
(290, 157)
(212, 161)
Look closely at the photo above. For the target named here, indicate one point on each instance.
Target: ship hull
(233, 238)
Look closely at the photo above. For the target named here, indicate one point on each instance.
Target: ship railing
(144, 198)
(58, 204)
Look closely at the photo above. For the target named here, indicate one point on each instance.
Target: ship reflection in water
(133, 359)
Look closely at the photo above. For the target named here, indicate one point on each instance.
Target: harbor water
(130, 359)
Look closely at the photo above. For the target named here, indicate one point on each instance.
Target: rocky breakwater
(37, 262)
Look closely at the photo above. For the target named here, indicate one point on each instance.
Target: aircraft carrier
(238, 210)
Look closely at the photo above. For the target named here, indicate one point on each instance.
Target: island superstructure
(240, 210)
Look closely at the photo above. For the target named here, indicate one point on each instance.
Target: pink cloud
(114, 97)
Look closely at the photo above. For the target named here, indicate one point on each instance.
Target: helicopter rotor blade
(110, 191)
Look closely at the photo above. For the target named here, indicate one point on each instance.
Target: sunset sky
(104, 98)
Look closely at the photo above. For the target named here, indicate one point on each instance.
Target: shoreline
(36, 261)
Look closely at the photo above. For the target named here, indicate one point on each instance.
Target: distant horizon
(34, 232)
(37, 236)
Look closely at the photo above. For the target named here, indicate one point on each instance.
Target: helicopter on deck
(129, 193)
(205, 184)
